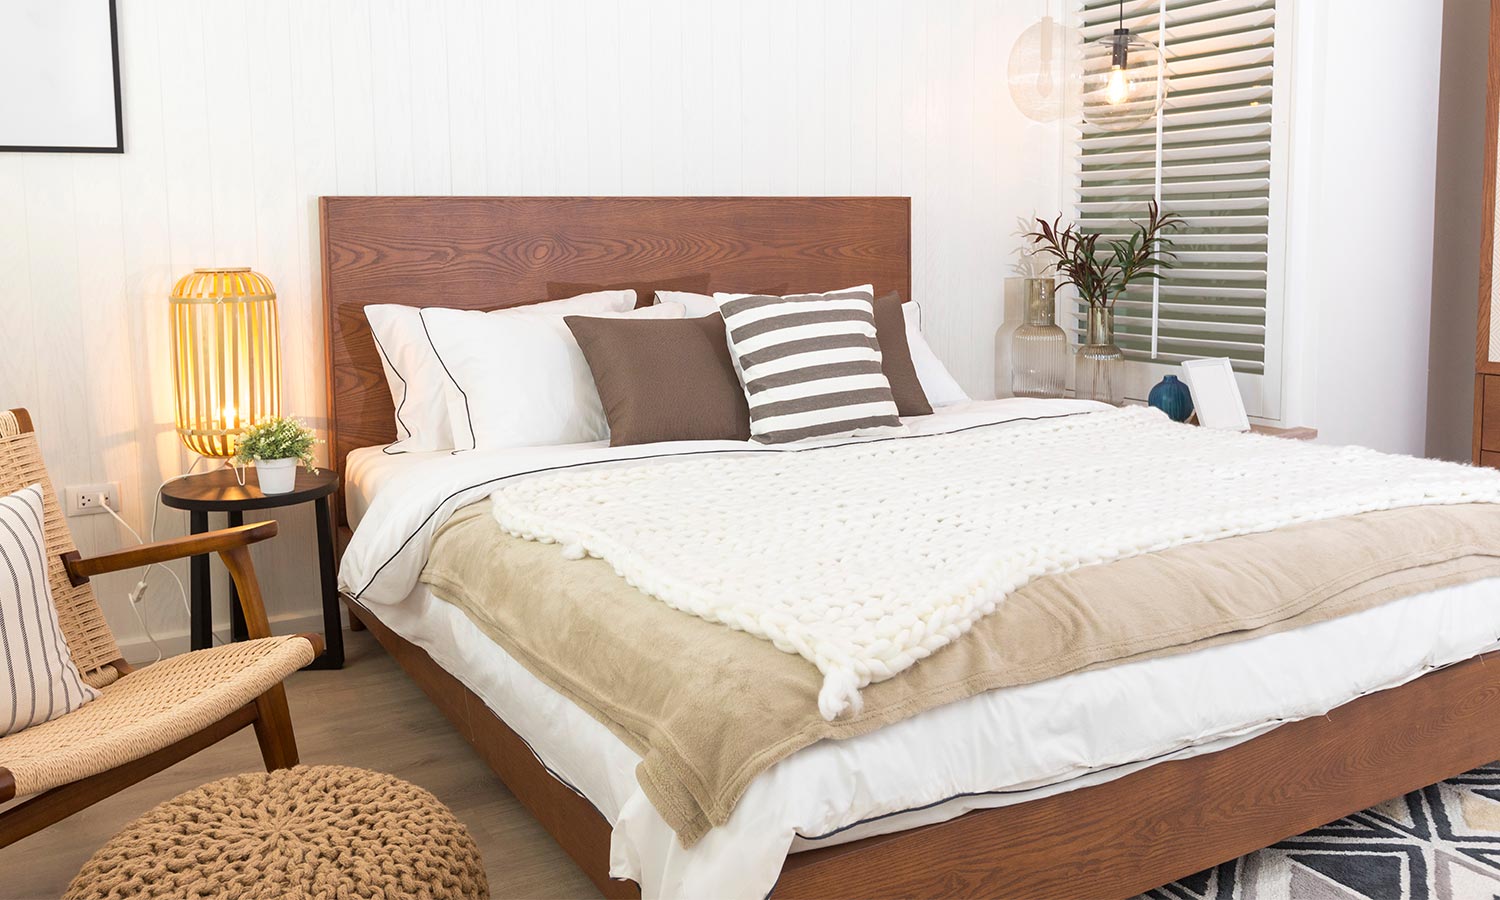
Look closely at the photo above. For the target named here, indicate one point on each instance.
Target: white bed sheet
(1002, 747)
(369, 469)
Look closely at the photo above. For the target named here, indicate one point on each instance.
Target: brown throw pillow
(895, 358)
(664, 379)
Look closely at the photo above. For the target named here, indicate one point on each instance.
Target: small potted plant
(1101, 274)
(276, 446)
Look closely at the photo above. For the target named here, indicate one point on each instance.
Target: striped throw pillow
(810, 364)
(40, 681)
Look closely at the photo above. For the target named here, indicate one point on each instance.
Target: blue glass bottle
(1173, 398)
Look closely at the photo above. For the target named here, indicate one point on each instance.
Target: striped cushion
(38, 680)
(810, 364)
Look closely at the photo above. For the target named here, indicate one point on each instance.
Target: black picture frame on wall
(118, 145)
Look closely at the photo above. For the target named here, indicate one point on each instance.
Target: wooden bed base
(1112, 840)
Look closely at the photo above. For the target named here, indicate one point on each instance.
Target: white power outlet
(90, 499)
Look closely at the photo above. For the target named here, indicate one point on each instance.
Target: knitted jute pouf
(307, 833)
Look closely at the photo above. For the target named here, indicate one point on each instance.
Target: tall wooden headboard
(493, 252)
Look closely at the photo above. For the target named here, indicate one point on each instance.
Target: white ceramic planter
(276, 476)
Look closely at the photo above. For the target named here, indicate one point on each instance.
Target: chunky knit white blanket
(864, 558)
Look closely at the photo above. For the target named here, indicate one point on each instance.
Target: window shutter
(1207, 156)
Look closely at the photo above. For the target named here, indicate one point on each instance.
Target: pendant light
(1045, 69)
(1124, 80)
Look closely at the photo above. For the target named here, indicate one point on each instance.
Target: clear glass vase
(1098, 373)
(1039, 348)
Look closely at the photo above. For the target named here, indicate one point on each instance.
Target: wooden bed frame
(1110, 840)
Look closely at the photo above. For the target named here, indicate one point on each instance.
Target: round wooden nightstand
(220, 491)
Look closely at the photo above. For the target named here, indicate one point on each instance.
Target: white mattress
(1002, 747)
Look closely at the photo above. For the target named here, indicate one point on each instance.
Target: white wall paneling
(238, 115)
(1359, 256)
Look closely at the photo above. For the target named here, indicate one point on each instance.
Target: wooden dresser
(1487, 358)
(1487, 416)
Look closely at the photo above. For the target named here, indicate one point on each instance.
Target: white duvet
(998, 748)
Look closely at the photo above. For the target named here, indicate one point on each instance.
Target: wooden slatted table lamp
(226, 357)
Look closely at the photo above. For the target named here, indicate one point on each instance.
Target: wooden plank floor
(367, 715)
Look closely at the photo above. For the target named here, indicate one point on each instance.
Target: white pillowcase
(695, 306)
(520, 380)
(416, 379)
(43, 681)
(937, 384)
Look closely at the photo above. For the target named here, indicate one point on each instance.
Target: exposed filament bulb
(1117, 90)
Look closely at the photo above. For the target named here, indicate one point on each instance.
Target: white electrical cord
(134, 597)
(146, 628)
(141, 585)
(138, 592)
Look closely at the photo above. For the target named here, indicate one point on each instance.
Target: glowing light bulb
(1117, 90)
(228, 415)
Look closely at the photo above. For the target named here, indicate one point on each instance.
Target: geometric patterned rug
(1439, 843)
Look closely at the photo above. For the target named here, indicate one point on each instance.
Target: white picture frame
(1216, 394)
(60, 77)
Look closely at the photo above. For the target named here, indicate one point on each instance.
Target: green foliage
(277, 438)
(1102, 274)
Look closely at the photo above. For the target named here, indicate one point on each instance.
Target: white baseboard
(141, 651)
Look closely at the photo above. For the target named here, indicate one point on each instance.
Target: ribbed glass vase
(1039, 348)
(1098, 373)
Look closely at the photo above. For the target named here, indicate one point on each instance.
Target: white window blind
(1207, 157)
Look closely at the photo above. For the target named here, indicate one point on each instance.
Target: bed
(1089, 815)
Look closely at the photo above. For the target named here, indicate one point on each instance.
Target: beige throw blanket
(709, 708)
(865, 557)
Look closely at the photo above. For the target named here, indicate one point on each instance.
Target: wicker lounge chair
(149, 718)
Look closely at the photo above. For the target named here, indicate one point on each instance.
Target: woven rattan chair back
(89, 638)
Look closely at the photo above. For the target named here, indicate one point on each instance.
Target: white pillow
(937, 384)
(43, 681)
(695, 306)
(415, 378)
(520, 380)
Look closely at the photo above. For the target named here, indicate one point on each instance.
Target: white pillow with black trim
(695, 306)
(38, 680)
(520, 380)
(937, 383)
(810, 364)
(415, 378)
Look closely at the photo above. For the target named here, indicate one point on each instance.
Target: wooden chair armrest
(80, 569)
(232, 545)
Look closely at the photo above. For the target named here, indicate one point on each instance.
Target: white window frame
(1263, 392)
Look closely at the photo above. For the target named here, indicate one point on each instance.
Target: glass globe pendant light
(1124, 80)
(1044, 71)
